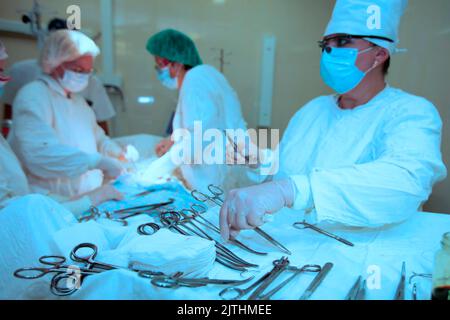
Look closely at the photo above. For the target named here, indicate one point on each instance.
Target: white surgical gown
(207, 96)
(13, 181)
(57, 139)
(27, 71)
(367, 167)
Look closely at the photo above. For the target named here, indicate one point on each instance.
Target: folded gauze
(166, 252)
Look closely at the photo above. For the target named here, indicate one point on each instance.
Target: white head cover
(3, 54)
(369, 18)
(63, 46)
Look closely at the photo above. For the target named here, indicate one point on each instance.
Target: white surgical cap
(3, 54)
(63, 46)
(369, 18)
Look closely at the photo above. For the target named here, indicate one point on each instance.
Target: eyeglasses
(340, 41)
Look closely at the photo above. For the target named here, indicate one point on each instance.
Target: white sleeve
(101, 104)
(389, 189)
(5, 192)
(105, 144)
(37, 142)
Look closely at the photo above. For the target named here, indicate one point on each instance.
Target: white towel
(166, 252)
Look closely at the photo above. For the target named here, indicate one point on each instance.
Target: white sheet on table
(28, 225)
(165, 252)
(417, 240)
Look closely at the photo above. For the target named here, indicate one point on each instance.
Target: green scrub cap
(174, 46)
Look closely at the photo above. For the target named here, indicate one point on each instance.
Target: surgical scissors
(70, 277)
(197, 210)
(358, 291)
(304, 225)
(421, 275)
(216, 198)
(88, 259)
(176, 282)
(297, 271)
(239, 293)
(400, 293)
(57, 264)
(279, 267)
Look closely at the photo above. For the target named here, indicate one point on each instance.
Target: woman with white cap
(366, 157)
(55, 134)
(14, 183)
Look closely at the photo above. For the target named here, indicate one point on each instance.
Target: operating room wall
(238, 27)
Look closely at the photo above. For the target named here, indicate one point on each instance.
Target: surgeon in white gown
(55, 134)
(205, 97)
(365, 157)
(23, 215)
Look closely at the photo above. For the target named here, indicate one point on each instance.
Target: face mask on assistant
(338, 68)
(74, 81)
(166, 80)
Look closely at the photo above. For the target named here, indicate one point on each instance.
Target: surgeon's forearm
(303, 194)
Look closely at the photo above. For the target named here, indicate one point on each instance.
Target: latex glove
(103, 194)
(131, 154)
(246, 208)
(112, 168)
(241, 154)
(163, 147)
(113, 150)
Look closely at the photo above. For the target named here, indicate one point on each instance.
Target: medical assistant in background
(366, 157)
(14, 184)
(55, 134)
(204, 95)
(27, 71)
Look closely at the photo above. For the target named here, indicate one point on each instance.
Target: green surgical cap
(174, 46)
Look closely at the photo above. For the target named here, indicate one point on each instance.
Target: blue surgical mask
(339, 71)
(166, 80)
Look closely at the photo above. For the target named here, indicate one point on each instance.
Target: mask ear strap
(375, 64)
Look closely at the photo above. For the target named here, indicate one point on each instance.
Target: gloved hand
(111, 149)
(112, 168)
(131, 154)
(241, 154)
(163, 147)
(246, 208)
(103, 194)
